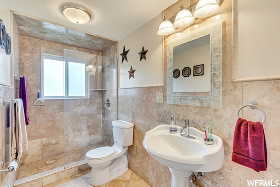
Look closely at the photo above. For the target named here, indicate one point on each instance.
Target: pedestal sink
(183, 155)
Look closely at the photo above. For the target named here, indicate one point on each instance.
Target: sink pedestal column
(180, 178)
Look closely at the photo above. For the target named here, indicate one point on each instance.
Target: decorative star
(124, 54)
(143, 53)
(131, 72)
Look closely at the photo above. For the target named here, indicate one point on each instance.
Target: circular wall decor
(186, 72)
(176, 73)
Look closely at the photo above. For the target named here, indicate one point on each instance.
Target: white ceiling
(114, 19)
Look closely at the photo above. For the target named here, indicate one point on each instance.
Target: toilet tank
(123, 133)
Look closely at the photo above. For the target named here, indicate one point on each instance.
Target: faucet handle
(187, 123)
(172, 117)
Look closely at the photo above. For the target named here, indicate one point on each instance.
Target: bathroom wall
(149, 71)
(5, 60)
(61, 131)
(146, 109)
(251, 21)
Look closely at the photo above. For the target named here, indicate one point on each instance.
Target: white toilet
(108, 163)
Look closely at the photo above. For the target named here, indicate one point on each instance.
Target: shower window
(61, 78)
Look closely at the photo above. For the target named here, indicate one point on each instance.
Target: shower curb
(49, 172)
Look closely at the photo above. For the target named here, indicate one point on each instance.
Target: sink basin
(183, 155)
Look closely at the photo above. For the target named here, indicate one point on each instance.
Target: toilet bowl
(110, 162)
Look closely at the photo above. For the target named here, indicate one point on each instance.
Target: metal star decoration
(124, 54)
(143, 54)
(131, 72)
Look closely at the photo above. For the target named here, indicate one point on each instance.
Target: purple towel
(23, 95)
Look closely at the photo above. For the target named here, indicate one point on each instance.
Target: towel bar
(252, 106)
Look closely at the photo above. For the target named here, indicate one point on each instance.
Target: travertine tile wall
(140, 106)
(110, 94)
(61, 131)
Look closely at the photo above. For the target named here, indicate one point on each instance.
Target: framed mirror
(194, 67)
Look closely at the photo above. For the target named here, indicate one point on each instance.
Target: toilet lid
(100, 152)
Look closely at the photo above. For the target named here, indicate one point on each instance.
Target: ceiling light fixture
(184, 18)
(206, 8)
(76, 13)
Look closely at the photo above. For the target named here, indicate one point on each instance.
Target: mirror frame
(214, 98)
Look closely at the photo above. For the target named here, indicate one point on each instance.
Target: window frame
(66, 77)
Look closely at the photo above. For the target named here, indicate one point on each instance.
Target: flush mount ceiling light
(206, 8)
(165, 28)
(75, 13)
(184, 18)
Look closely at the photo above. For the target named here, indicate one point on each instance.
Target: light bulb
(184, 18)
(206, 8)
(165, 28)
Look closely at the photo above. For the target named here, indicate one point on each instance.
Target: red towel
(249, 146)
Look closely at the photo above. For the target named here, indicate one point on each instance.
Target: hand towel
(249, 145)
(24, 96)
(20, 132)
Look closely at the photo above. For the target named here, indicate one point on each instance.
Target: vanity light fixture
(166, 28)
(76, 13)
(184, 18)
(206, 8)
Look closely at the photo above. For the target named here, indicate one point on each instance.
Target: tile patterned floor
(129, 179)
(75, 183)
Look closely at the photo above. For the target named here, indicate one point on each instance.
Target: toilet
(110, 162)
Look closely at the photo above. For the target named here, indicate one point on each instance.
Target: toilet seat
(103, 155)
(100, 152)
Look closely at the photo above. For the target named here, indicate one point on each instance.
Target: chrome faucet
(183, 130)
